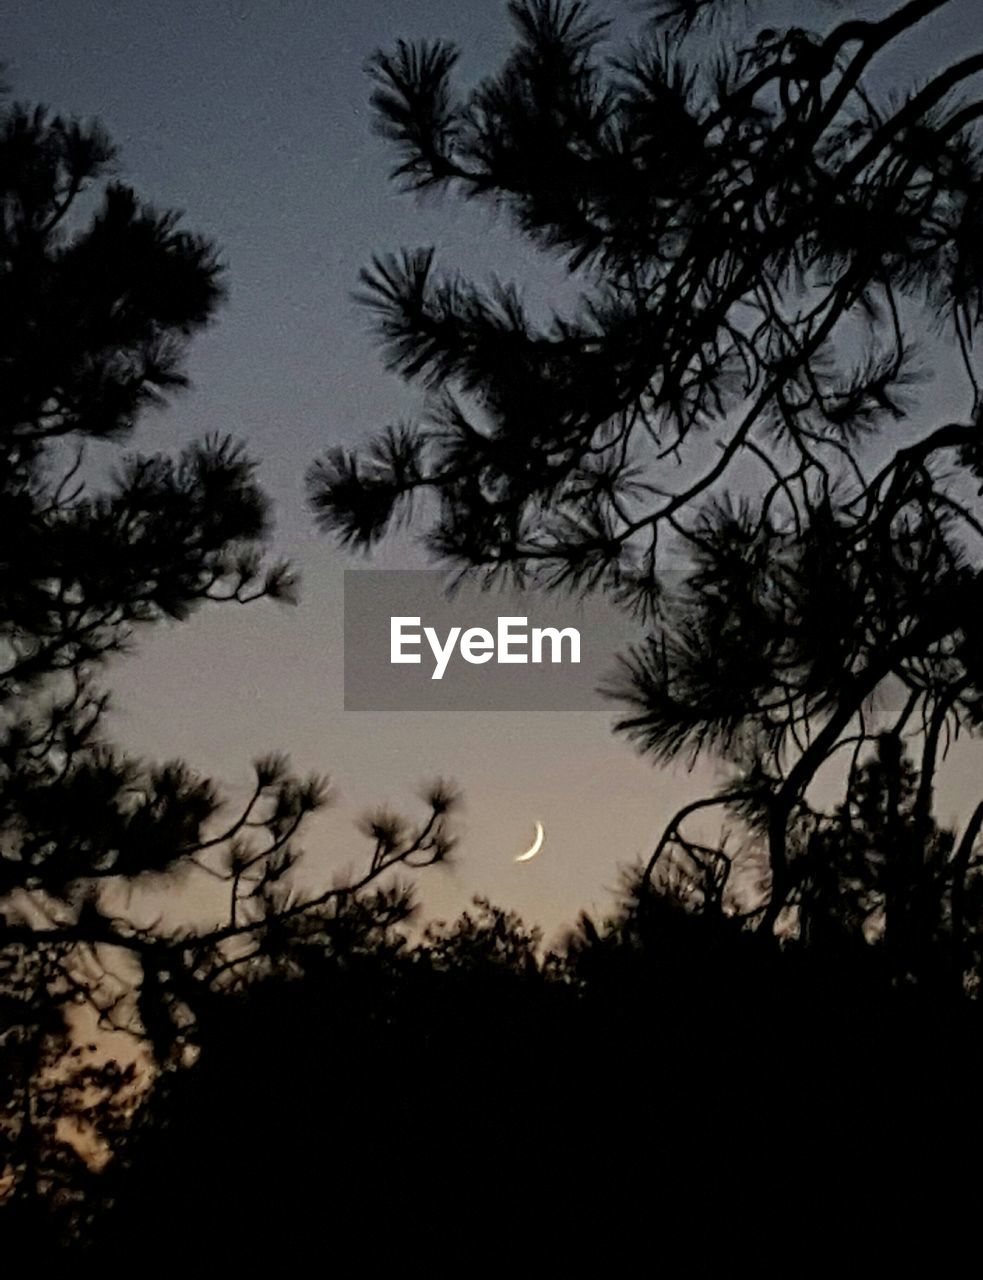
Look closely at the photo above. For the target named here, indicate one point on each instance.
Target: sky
(252, 117)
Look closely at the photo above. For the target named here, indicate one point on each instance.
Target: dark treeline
(661, 1077)
(775, 1040)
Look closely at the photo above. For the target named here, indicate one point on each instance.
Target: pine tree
(99, 295)
(764, 244)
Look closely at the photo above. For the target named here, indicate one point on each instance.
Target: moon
(535, 847)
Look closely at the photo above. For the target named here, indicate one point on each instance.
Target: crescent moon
(535, 847)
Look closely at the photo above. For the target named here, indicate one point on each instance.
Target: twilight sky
(252, 117)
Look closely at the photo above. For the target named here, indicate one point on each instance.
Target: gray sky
(252, 117)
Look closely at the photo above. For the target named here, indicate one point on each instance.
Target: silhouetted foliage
(771, 252)
(464, 1091)
(770, 1034)
(99, 295)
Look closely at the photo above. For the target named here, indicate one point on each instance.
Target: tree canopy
(99, 296)
(772, 252)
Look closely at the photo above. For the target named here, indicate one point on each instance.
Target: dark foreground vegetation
(664, 1080)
